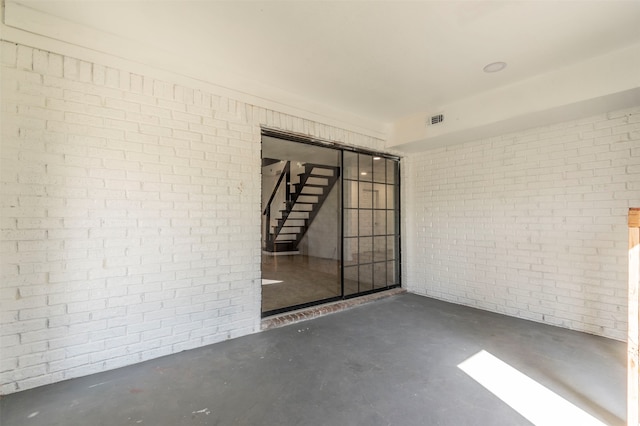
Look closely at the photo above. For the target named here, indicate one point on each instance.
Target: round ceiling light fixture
(494, 67)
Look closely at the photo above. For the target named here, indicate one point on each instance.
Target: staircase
(302, 201)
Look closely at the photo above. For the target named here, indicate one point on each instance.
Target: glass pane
(351, 251)
(365, 167)
(366, 277)
(351, 223)
(391, 197)
(379, 174)
(366, 195)
(350, 166)
(366, 223)
(379, 196)
(392, 277)
(350, 194)
(365, 250)
(379, 249)
(379, 222)
(301, 260)
(380, 275)
(392, 170)
(391, 221)
(350, 280)
(391, 248)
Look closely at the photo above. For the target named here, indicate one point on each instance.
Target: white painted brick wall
(130, 216)
(530, 224)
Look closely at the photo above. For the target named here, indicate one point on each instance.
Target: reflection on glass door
(330, 224)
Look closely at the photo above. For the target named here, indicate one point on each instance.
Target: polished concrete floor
(390, 362)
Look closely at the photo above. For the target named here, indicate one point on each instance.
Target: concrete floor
(390, 362)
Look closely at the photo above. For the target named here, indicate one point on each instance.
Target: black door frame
(291, 137)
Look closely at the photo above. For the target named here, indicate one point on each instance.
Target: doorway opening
(330, 223)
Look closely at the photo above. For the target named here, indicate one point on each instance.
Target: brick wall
(530, 224)
(130, 215)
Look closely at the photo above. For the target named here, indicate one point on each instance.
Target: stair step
(307, 209)
(295, 222)
(298, 210)
(289, 229)
(286, 224)
(316, 176)
(324, 171)
(308, 198)
(327, 178)
(281, 246)
(303, 207)
(296, 215)
(312, 185)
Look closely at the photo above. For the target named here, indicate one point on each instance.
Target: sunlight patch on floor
(536, 403)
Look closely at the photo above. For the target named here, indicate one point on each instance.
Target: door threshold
(292, 317)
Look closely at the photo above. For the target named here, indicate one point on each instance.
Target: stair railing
(321, 197)
(285, 175)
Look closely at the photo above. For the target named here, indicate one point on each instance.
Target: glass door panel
(374, 266)
(301, 224)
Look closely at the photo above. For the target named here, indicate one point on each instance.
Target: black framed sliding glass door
(330, 223)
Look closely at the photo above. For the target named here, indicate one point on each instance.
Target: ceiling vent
(435, 119)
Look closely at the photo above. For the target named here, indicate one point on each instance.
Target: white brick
(85, 73)
(68, 363)
(585, 196)
(120, 361)
(79, 371)
(82, 351)
(55, 65)
(68, 319)
(121, 190)
(40, 61)
(136, 83)
(147, 86)
(71, 68)
(98, 74)
(112, 78)
(9, 52)
(79, 307)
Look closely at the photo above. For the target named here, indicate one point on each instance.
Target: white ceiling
(381, 60)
